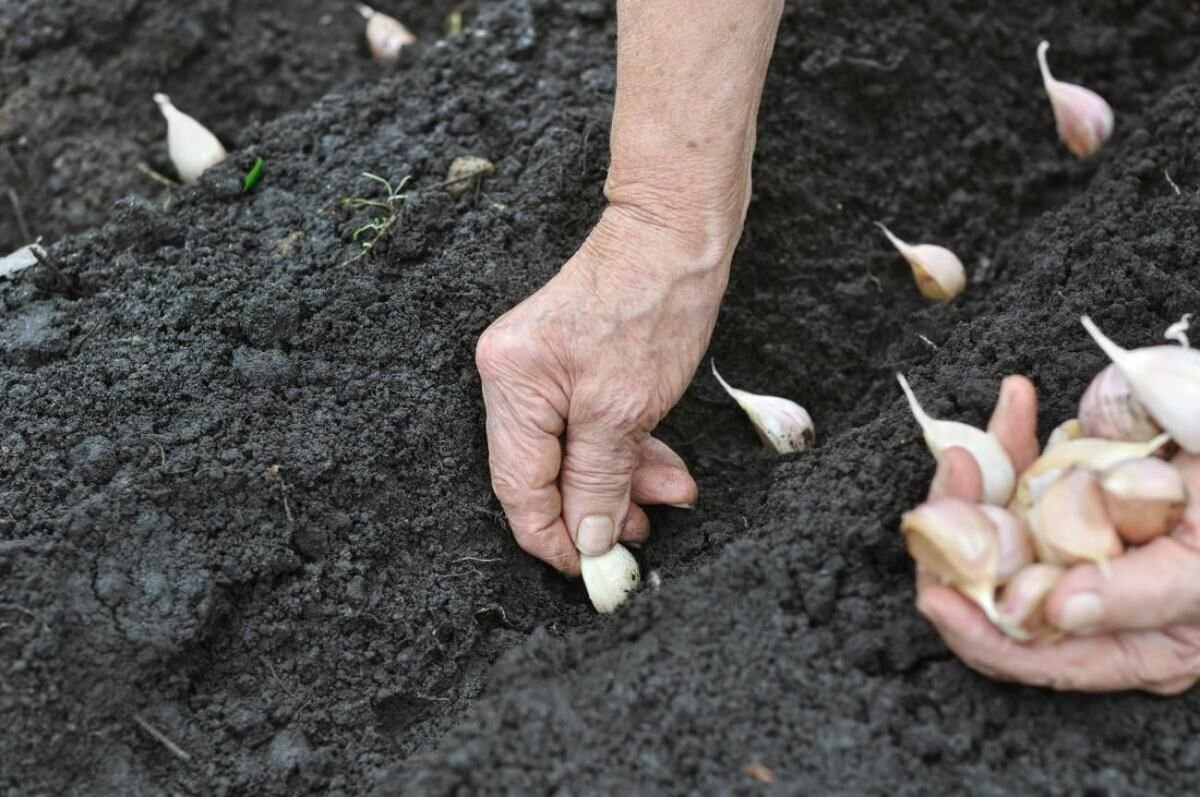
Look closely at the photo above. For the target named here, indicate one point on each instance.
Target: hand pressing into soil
(1139, 629)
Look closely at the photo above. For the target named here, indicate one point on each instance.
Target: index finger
(1014, 421)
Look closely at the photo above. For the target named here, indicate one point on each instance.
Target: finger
(596, 477)
(1147, 660)
(1155, 586)
(637, 526)
(661, 477)
(957, 476)
(524, 455)
(1014, 422)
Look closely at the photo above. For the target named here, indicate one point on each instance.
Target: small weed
(386, 211)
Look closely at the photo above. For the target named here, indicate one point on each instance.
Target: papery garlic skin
(1023, 600)
(609, 577)
(994, 462)
(1144, 497)
(1165, 380)
(386, 36)
(1109, 410)
(956, 543)
(938, 272)
(1013, 544)
(783, 426)
(1084, 119)
(192, 148)
(1070, 523)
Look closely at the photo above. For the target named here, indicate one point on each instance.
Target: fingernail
(595, 535)
(683, 506)
(1081, 612)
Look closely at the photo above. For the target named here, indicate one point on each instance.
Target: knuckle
(499, 348)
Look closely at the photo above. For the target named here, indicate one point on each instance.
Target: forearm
(690, 75)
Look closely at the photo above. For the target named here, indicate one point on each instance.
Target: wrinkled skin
(1141, 628)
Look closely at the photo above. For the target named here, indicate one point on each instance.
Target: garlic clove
(1065, 432)
(1188, 466)
(1087, 453)
(1109, 410)
(1145, 498)
(1165, 379)
(192, 148)
(1070, 523)
(1013, 543)
(783, 426)
(386, 36)
(609, 577)
(994, 462)
(465, 174)
(1023, 601)
(1083, 118)
(956, 543)
(939, 273)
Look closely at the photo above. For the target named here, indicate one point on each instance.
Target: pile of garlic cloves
(1114, 477)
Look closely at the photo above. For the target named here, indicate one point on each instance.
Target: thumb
(1155, 586)
(597, 471)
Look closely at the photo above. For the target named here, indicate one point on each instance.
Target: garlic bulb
(783, 426)
(1065, 432)
(1087, 453)
(1166, 380)
(1083, 118)
(939, 273)
(386, 36)
(1109, 410)
(609, 577)
(955, 542)
(1145, 498)
(1070, 523)
(1023, 600)
(190, 144)
(1013, 543)
(994, 462)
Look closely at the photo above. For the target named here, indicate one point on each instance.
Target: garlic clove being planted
(783, 426)
(1024, 597)
(1065, 432)
(939, 273)
(192, 148)
(1013, 543)
(1145, 498)
(1070, 523)
(994, 462)
(1109, 410)
(386, 36)
(1083, 118)
(954, 541)
(1165, 380)
(609, 577)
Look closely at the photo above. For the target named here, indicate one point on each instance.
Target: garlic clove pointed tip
(163, 100)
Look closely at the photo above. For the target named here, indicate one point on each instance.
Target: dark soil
(243, 485)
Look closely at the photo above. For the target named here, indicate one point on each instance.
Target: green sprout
(387, 211)
(253, 176)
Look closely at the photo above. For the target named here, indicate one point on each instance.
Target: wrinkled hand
(1140, 629)
(577, 376)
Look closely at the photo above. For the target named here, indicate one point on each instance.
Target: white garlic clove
(1070, 523)
(1109, 410)
(609, 577)
(1083, 118)
(1013, 543)
(1087, 453)
(939, 273)
(1023, 600)
(386, 36)
(192, 148)
(783, 426)
(1145, 498)
(1166, 380)
(1065, 432)
(956, 543)
(994, 462)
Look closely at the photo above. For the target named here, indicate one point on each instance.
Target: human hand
(1138, 629)
(577, 376)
